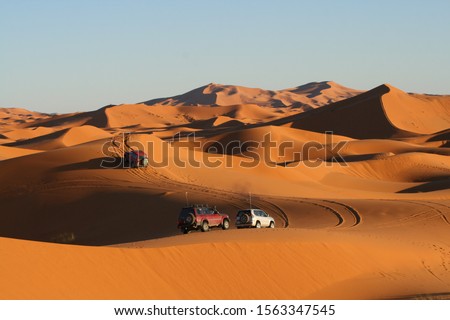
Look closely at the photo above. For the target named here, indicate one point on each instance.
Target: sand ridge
(365, 214)
(308, 96)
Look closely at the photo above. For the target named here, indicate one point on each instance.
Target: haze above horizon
(80, 55)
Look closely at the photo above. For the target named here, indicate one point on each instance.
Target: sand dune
(11, 152)
(140, 117)
(28, 133)
(360, 117)
(301, 269)
(63, 138)
(64, 121)
(364, 214)
(417, 113)
(308, 96)
(18, 117)
(382, 112)
(96, 201)
(406, 167)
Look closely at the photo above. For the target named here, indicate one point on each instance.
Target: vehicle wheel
(272, 225)
(205, 226)
(258, 225)
(186, 230)
(245, 218)
(225, 224)
(189, 219)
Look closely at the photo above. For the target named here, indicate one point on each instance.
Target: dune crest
(311, 95)
(423, 114)
(383, 112)
(356, 182)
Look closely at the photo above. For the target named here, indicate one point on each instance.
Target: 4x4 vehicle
(203, 218)
(256, 218)
(135, 159)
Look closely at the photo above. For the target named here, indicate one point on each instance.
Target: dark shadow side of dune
(359, 117)
(429, 186)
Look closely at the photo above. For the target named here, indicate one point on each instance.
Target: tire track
(442, 214)
(338, 215)
(432, 207)
(236, 199)
(230, 197)
(355, 214)
(426, 204)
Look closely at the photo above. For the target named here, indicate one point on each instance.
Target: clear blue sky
(64, 56)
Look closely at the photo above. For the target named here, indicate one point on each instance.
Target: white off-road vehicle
(255, 218)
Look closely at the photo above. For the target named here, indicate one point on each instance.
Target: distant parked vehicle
(135, 159)
(254, 218)
(202, 217)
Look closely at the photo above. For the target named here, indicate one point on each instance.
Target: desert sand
(364, 215)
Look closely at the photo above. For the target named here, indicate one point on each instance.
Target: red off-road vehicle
(203, 218)
(135, 159)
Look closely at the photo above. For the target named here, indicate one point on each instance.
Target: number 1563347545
(301, 310)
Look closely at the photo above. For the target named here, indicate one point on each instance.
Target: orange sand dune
(439, 139)
(372, 146)
(407, 167)
(74, 192)
(19, 112)
(64, 121)
(417, 113)
(135, 117)
(365, 214)
(226, 121)
(305, 97)
(63, 138)
(18, 117)
(361, 117)
(382, 112)
(11, 152)
(28, 133)
(269, 265)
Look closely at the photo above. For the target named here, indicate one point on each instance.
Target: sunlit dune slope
(358, 189)
(274, 265)
(63, 138)
(305, 97)
(424, 114)
(383, 112)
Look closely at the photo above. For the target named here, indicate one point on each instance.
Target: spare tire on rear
(245, 218)
(189, 219)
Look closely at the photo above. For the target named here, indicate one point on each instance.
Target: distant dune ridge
(364, 213)
(308, 96)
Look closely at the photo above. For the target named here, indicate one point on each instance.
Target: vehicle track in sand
(433, 211)
(433, 205)
(237, 200)
(355, 215)
(325, 207)
(347, 218)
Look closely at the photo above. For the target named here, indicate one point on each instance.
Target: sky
(66, 56)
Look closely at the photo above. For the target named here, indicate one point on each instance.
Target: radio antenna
(250, 198)
(187, 199)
